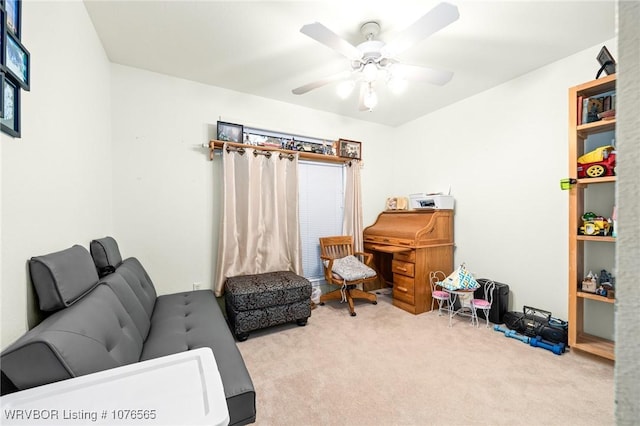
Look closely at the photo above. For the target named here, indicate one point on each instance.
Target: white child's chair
(437, 293)
(483, 304)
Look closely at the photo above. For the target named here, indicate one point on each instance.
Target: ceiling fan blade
(324, 35)
(435, 20)
(319, 83)
(430, 75)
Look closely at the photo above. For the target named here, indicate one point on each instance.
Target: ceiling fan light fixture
(370, 99)
(345, 88)
(374, 61)
(370, 72)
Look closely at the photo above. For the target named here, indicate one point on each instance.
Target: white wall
(166, 192)
(503, 152)
(56, 179)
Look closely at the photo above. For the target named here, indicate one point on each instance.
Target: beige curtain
(352, 222)
(259, 228)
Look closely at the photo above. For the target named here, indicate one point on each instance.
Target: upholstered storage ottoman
(257, 301)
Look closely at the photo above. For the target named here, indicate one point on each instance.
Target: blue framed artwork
(10, 121)
(14, 66)
(1, 94)
(17, 61)
(14, 16)
(3, 35)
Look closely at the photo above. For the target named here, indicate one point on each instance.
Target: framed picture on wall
(17, 61)
(14, 15)
(3, 35)
(349, 149)
(10, 121)
(230, 132)
(1, 94)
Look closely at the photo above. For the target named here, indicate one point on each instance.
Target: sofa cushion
(181, 322)
(136, 276)
(131, 303)
(107, 258)
(93, 334)
(193, 319)
(106, 255)
(62, 277)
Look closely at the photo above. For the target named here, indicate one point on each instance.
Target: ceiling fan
(373, 61)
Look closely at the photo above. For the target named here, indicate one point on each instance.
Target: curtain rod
(240, 150)
(215, 145)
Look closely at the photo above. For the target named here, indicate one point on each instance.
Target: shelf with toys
(596, 297)
(592, 231)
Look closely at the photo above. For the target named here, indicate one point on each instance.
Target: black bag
(535, 322)
(500, 304)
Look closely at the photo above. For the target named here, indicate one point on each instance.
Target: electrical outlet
(197, 285)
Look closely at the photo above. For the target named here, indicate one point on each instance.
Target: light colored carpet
(388, 367)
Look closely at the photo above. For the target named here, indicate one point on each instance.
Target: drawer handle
(402, 289)
(401, 269)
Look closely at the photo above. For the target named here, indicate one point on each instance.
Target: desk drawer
(403, 288)
(388, 240)
(406, 256)
(404, 268)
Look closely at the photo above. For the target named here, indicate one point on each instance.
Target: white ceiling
(256, 47)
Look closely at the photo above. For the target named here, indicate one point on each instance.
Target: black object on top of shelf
(606, 61)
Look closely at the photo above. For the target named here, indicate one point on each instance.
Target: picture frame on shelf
(17, 60)
(606, 61)
(349, 149)
(10, 121)
(14, 16)
(230, 132)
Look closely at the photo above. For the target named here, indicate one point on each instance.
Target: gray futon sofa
(101, 323)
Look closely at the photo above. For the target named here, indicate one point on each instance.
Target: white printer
(431, 201)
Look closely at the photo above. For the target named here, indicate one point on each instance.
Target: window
(321, 209)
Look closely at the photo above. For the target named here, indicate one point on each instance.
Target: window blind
(321, 209)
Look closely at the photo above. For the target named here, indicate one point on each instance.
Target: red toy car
(597, 163)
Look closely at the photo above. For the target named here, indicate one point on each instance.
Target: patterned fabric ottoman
(257, 301)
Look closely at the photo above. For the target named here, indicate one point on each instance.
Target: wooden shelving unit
(215, 144)
(578, 133)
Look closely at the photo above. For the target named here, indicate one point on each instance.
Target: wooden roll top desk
(406, 245)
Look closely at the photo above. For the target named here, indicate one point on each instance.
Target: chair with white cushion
(437, 293)
(344, 269)
(483, 304)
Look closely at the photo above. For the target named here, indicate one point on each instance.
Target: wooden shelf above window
(215, 144)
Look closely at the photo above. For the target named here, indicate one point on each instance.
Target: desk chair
(437, 293)
(342, 268)
(483, 304)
